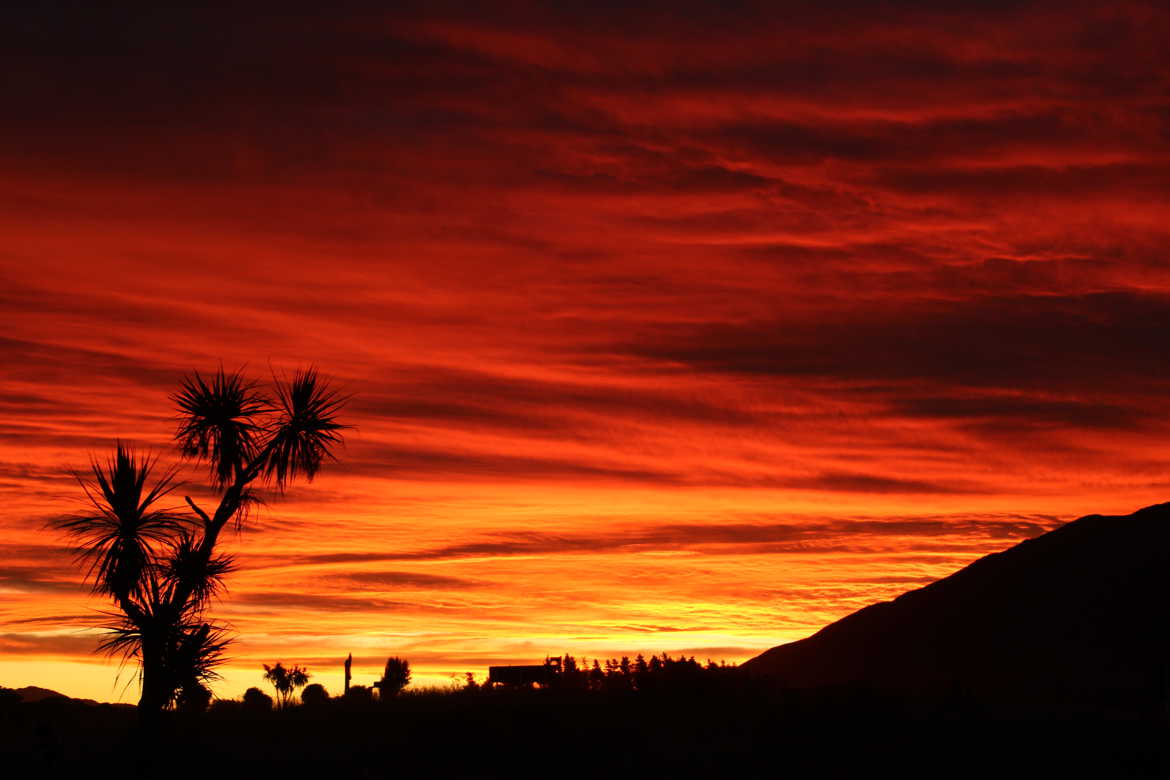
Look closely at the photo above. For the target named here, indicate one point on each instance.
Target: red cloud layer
(675, 329)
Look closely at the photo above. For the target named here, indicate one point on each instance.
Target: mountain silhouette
(31, 693)
(1076, 617)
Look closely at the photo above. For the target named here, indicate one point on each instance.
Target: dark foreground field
(747, 731)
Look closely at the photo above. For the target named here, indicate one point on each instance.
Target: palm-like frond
(276, 674)
(307, 430)
(119, 539)
(198, 651)
(219, 421)
(298, 676)
(124, 639)
(204, 578)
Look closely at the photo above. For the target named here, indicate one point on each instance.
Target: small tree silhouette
(395, 677)
(159, 565)
(285, 680)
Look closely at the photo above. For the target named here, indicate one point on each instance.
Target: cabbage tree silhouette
(159, 565)
(285, 680)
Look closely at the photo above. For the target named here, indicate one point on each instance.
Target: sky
(673, 329)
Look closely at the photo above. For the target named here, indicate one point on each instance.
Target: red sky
(666, 330)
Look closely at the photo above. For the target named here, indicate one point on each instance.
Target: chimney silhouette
(348, 676)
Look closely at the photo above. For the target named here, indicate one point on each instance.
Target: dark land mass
(1074, 620)
(1043, 660)
(32, 693)
(730, 731)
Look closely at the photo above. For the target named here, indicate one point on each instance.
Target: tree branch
(229, 504)
(133, 611)
(253, 469)
(198, 511)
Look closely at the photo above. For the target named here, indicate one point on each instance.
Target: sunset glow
(686, 330)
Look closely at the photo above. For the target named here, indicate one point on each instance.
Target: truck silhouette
(524, 676)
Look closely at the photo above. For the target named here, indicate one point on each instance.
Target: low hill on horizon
(30, 694)
(1078, 614)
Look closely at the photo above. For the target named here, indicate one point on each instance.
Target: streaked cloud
(666, 327)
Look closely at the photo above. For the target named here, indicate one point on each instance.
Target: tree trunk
(156, 691)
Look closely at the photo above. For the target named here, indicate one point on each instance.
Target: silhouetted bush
(256, 700)
(315, 695)
(225, 706)
(194, 697)
(395, 677)
(358, 696)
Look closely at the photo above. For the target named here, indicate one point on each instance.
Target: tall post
(348, 676)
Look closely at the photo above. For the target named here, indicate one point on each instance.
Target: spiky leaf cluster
(186, 563)
(119, 538)
(307, 430)
(220, 422)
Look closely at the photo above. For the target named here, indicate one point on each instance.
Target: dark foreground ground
(748, 732)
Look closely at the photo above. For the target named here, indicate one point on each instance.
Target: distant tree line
(656, 673)
(286, 680)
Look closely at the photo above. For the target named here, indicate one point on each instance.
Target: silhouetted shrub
(256, 700)
(223, 706)
(193, 697)
(358, 695)
(395, 677)
(314, 695)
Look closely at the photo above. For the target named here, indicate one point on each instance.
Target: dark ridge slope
(1080, 610)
